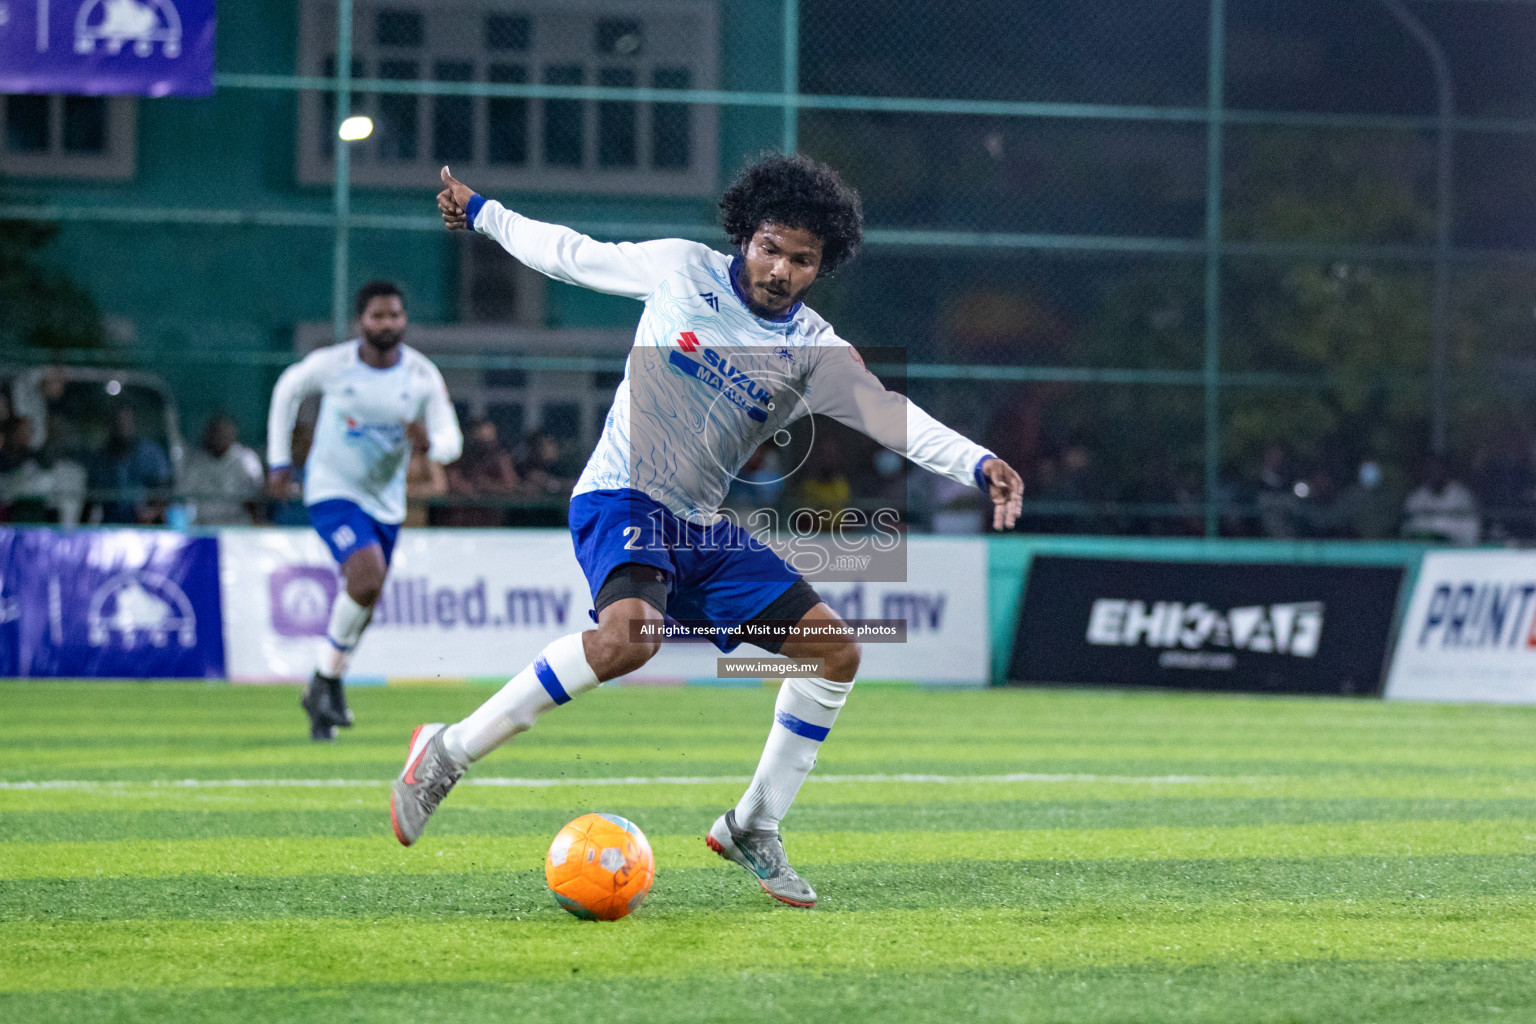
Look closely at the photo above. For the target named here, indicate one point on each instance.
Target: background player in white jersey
(725, 356)
(379, 400)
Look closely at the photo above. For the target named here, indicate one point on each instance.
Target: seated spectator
(1278, 498)
(1068, 487)
(15, 435)
(424, 479)
(1322, 516)
(132, 474)
(890, 480)
(1507, 485)
(1441, 508)
(1368, 506)
(221, 479)
(826, 493)
(16, 459)
(484, 471)
(41, 486)
(539, 467)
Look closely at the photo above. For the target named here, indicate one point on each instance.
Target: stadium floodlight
(355, 129)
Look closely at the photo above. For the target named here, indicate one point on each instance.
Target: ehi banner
(1211, 626)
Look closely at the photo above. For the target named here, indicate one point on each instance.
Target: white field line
(630, 780)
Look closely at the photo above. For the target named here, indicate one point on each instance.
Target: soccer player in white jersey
(725, 356)
(380, 400)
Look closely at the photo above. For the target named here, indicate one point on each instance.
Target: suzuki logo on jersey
(687, 341)
(385, 435)
(732, 383)
(1291, 629)
(739, 378)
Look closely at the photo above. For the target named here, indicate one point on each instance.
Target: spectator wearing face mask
(1368, 506)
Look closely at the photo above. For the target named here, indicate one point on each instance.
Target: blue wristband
(981, 480)
(471, 208)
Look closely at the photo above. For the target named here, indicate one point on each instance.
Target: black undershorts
(650, 584)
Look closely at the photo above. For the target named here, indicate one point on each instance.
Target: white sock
(558, 674)
(348, 620)
(802, 716)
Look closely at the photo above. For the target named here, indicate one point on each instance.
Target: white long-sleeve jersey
(360, 451)
(708, 381)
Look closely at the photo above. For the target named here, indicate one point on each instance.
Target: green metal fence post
(791, 139)
(1215, 85)
(1440, 315)
(341, 320)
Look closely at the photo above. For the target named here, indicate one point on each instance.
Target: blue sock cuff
(800, 727)
(550, 681)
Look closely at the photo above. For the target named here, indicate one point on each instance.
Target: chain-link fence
(1202, 266)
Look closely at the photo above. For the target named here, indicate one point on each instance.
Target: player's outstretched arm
(843, 388)
(631, 269)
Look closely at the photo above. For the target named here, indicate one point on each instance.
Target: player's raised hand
(1006, 489)
(452, 200)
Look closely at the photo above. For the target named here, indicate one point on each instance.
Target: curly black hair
(375, 290)
(797, 192)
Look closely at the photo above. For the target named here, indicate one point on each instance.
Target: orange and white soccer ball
(600, 867)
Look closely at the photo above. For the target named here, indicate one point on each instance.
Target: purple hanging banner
(101, 47)
(110, 603)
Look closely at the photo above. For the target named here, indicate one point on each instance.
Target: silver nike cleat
(762, 853)
(428, 776)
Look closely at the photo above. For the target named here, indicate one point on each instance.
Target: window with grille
(67, 136)
(501, 142)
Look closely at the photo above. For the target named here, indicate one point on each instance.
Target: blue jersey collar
(784, 318)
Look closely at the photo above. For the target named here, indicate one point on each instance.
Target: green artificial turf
(181, 852)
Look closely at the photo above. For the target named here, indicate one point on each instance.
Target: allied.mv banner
(101, 47)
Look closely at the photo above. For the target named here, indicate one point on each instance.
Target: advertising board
(483, 603)
(109, 604)
(1206, 625)
(1470, 631)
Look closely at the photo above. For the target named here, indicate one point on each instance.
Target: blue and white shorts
(347, 529)
(717, 575)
